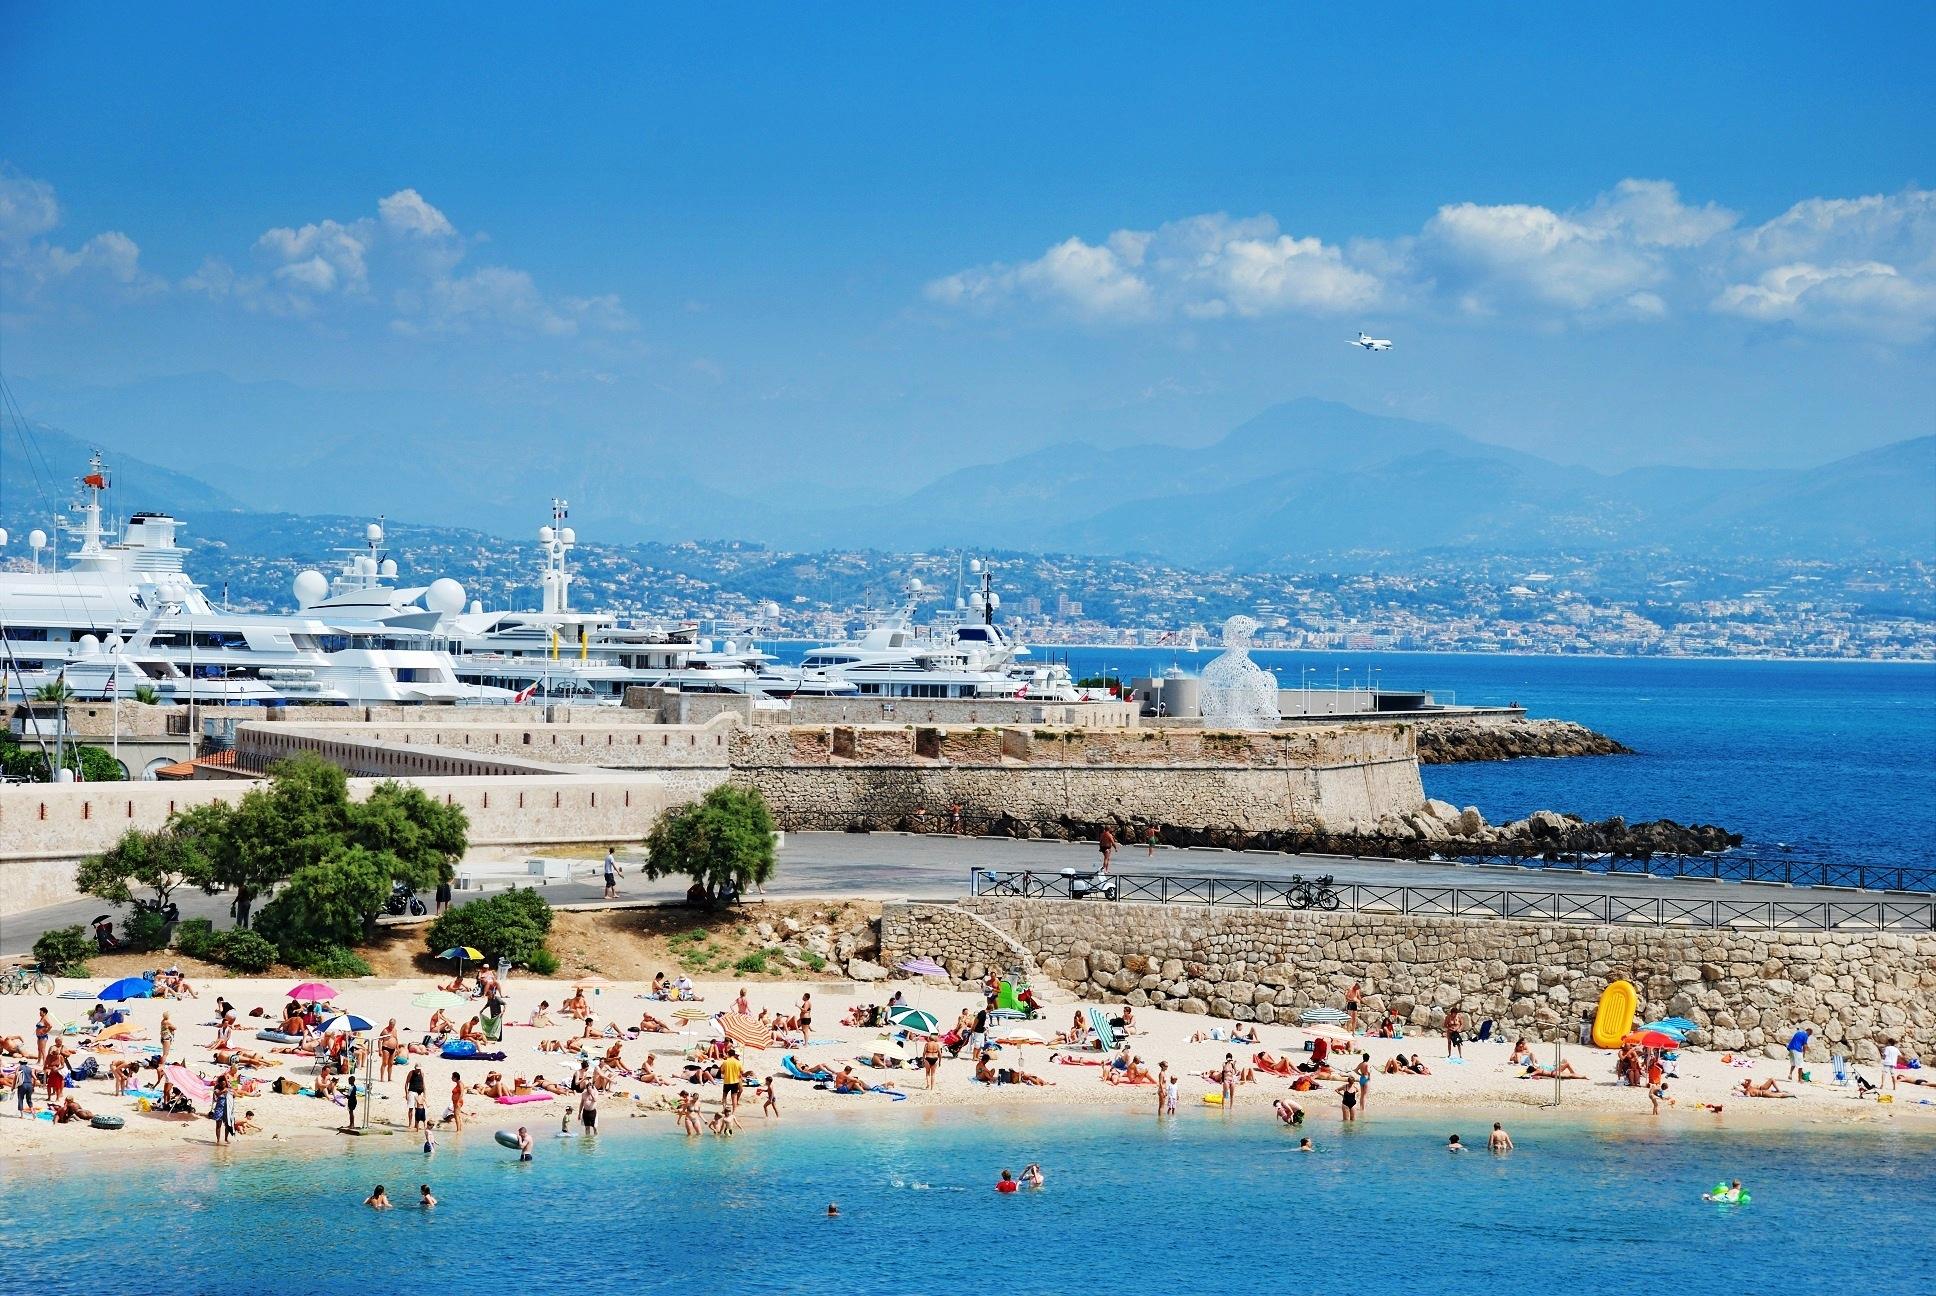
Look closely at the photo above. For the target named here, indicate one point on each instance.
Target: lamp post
(1304, 682)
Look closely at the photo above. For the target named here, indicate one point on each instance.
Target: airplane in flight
(1372, 343)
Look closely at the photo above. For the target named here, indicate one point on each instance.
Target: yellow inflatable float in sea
(1615, 1016)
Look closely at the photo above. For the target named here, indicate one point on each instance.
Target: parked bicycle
(25, 978)
(1313, 893)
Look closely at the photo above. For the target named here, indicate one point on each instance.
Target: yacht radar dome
(310, 588)
(444, 596)
(373, 533)
(568, 536)
(388, 568)
(89, 645)
(3, 535)
(545, 535)
(37, 539)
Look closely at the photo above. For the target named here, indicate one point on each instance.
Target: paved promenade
(895, 866)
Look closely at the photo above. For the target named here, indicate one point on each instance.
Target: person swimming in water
(1032, 1175)
(1453, 1145)
(1304, 1145)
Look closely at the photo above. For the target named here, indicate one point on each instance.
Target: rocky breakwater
(1744, 989)
(1436, 828)
(1448, 740)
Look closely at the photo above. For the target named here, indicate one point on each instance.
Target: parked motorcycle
(1084, 885)
(403, 899)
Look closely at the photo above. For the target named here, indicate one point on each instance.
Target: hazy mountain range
(1305, 478)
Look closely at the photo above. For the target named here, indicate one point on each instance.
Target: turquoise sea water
(1203, 1204)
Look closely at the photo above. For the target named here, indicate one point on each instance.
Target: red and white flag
(526, 693)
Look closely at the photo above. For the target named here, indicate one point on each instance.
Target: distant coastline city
(1617, 604)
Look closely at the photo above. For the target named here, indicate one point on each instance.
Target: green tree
(54, 691)
(425, 836)
(298, 819)
(162, 862)
(92, 764)
(147, 695)
(332, 902)
(724, 841)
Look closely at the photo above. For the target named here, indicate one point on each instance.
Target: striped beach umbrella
(345, 1024)
(438, 999)
(690, 1014)
(749, 1032)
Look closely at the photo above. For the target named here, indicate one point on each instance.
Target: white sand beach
(1481, 1086)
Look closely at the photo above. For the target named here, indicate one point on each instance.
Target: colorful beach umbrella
(438, 999)
(749, 1032)
(197, 1089)
(312, 992)
(915, 1020)
(120, 1030)
(463, 953)
(128, 988)
(1323, 1017)
(345, 1024)
(1651, 1039)
(921, 967)
(690, 1014)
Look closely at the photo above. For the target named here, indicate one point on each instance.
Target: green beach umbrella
(914, 1019)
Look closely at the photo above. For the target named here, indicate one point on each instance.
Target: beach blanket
(510, 1100)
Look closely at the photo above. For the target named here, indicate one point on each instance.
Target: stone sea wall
(1746, 989)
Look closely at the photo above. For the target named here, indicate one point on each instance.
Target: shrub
(813, 961)
(331, 961)
(63, 951)
(544, 963)
(245, 951)
(753, 964)
(195, 938)
(510, 924)
(145, 930)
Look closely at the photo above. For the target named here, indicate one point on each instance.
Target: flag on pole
(526, 693)
(108, 692)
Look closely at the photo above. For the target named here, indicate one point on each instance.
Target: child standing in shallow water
(1169, 1096)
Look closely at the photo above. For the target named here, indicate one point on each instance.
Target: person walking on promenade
(1149, 841)
(612, 874)
(1107, 844)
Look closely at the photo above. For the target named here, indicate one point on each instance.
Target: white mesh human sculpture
(1236, 692)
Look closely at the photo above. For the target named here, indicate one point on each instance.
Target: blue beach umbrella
(345, 1023)
(128, 988)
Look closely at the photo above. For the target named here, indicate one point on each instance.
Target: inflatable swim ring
(1719, 1194)
(507, 1138)
(107, 1122)
(468, 1048)
(1614, 1018)
(1215, 1099)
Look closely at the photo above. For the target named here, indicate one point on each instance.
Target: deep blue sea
(1203, 1204)
(1834, 760)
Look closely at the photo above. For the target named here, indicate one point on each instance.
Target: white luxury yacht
(121, 614)
(972, 657)
(554, 653)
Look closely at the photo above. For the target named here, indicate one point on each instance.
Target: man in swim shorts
(1797, 1051)
(732, 1076)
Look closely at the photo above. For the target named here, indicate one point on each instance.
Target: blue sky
(840, 248)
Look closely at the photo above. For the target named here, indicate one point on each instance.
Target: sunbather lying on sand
(1275, 1065)
(68, 1110)
(243, 1057)
(1135, 1074)
(1413, 1065)
(1763, 1089)
(647, 1022)
(1565, 1072)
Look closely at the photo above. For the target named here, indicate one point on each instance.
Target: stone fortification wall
(674, 707)
(489, 746)
(46, 828)
(837, 797)
(1746, 989)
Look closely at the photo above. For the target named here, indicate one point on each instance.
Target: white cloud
(1636, 253)
(1847, 264)
(1608, 256)
(35, 268)
(405, 258)
(1201, 267)
(27, 207)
